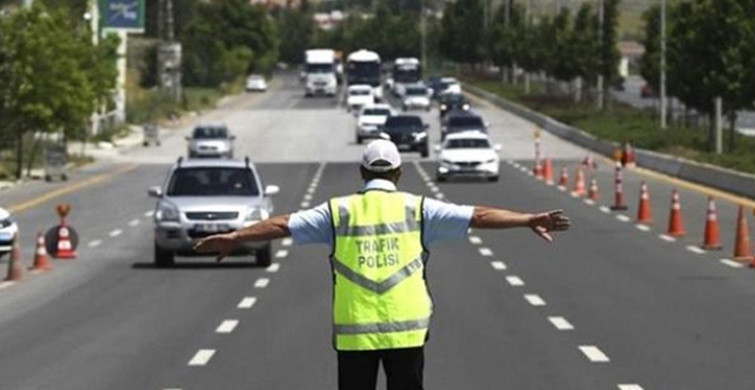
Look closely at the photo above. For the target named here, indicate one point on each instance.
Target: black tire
(493, 178)
(164, 258)
(425, 151)
(264, 256)
(440, 179)
(359, 140)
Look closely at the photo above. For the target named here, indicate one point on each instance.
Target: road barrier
(742, 242)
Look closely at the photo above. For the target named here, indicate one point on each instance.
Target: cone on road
(675, 222)
(563, 180)
(594, 192)
(65, 247)
(15, 270)
(579, 183)
(742, 249)
(548, 172)
(41, 260)
(712, 239)
(644, 213)
(627, 157)
(537, 170)
(618, 189)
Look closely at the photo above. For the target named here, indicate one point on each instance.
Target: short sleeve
(443, 221)
(311, 226)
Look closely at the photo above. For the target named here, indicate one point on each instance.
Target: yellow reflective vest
(381, 300)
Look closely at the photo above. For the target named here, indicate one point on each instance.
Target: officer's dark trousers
(358, 370)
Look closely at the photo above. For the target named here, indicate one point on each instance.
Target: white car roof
(364, 56)
(360, 87)
(474, 134)
(379, 106)
(449, 80)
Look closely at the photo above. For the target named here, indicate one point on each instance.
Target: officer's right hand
(223, 244)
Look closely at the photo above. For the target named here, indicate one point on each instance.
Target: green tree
(608, 53)
(651, 59)
(296, 30)
(462, 39)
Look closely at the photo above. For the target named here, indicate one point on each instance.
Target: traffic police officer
(379, 236)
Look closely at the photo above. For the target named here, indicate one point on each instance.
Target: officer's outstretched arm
(269, 229)
(540, 223)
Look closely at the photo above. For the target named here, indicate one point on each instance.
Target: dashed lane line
(305, 204)
(623, 218)
(561, 323)
(732, 263)
(227, 326)
(281, 253)
(486, 252)
(272, 268)
(261, 283)
(440, 195)
(95, 243)
(534, 300)
(515, 281)
(116, 233)
(308, 197)
(667, 238)
(6, 284)
(134, 223)
(247, 303)
(202, 357)
(641, 227)
(605, 209)
(288, 241)
(589, 201)
(475, 240)
(594, 354)
(628, 386)
(498, 265)
(695, 249)
(149, 214)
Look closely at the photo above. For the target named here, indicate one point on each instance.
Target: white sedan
(416, 96)
(468, 154)
(256, 83)
(370, 120)
(358, 96)
(8, 232)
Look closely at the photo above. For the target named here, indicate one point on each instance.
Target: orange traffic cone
(41, 260)
(65, 247)
(594, 193)
(644, 214)
(563, 180)
(675, 223)
(742, 243)
(712, 235)
(628, 155)
(537, 170)
(579, 183)
(548, 172)
(15, 270)
(618, 203)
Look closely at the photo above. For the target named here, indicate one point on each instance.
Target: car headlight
(443, 107)
(420, 135)
(5, 223)
(465, 107)
(256, 214)
(167, 212)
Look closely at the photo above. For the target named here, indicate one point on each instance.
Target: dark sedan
(409, 133)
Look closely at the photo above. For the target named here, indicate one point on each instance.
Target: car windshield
(255, 78)
(210, 132)
(320, 68)
(467, 143)
(212, 181)
(376, 112)
(453, 98)
(359, 92)
(403, 122)
(416, 91)
(465, 121)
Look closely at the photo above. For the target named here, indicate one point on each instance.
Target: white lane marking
(434, 189)
(440, 195)
(134, 223)
(149, 214)
(732, 263)
(261, 283)
(172, 389)
(227, 326)
(594, 354)
(561, 323)
(695, 249)
(574, 194)
(288, 241)
(605, 209)
(311, 189)
(667, 238)
(247, 303)
(629, 386)
(589, 201)
(308, 197)
(475, 240)
(6, 284)
(95, 243)
(116, 233)
(281, 253)
(498, 265)
(644, 228)
(623, 218)
(202, 357)
(485, 251)
(534, 300)
(304, 204)
(273, 267)
(515, 281)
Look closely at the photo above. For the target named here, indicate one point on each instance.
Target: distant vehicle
(647, 92)
(210, 141)
(449, 102)
(433, 82)
(363, 67)
(416, 96)
(256, 83)
(408, 133)
(320, 72)
(446, 85)
(371, 119)
(358, 96)
(461, 121)
(8, 232)
(205, 197)
(405, 72)
(468, 154)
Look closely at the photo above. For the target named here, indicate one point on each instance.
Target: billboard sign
(123, 15)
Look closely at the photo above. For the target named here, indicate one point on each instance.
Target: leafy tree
(462, 39)
(296, 30)
(608, 53)
(650, 61)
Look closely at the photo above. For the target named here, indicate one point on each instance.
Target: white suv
(210, 141)
(8, 232)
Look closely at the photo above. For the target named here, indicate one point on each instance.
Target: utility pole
(664, 100)
(423, 29)
(601, 81)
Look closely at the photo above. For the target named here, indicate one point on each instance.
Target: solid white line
(623, 218)
(574, 195)
(605, 209)
(498, 265)
(116, 233)
(732, 263)
(305, 205)
(561, 188)
(172, 389)
(95, 243)
(534, 300)
(281, 253)
(6, 284)
(475, 240)
(202, 357)
(594, 354)
(307, 196)
(440, 195)
(515, 281)
(695, 249)
(247, 303)
(644, 228)
(261, 283)
(288, 241)
(273, 267)
(133, 223)
(485, 251)
(227, 326)
(561, 323)
(631, 386)
(149, 214)
(667, 238)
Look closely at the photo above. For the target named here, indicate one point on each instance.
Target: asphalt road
(607, 306)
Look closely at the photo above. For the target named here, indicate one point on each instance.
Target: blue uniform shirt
(441, 220)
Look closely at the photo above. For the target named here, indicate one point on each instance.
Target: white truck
(406, 71)
(363, 68)
(320, 72)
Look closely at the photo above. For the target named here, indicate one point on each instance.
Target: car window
(465, 121)
(416, 91)
(359, 92)
(404, 121)
(376, 111)
(212, 181)
(467, 143)
(210, 132)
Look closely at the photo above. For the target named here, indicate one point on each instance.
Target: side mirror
(272, 190)
(497, 147)
(155, 192)
(437, 148)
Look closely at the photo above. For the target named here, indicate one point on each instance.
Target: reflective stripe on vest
(380, 296)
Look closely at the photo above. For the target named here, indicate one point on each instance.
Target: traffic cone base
(644, 214)
(742, 249)
(41, 260)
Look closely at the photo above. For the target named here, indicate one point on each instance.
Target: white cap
(381, 156)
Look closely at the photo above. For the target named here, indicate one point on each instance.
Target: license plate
(404, 147)
(210, 227)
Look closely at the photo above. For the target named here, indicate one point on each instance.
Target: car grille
(194, 234)
(209, 148)
(212, 215)
(467, 164)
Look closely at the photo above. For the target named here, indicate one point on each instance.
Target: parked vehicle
(256, 83)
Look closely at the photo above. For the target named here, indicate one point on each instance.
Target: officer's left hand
(552, 221)
(223, 244)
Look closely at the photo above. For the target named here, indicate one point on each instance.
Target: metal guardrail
(735, 182)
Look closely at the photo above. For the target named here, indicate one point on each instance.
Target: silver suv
(213, 141)
(204, 197)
